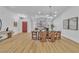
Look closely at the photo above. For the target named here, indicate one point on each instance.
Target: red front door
(24, 26)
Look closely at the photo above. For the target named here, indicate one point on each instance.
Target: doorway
(24, 26)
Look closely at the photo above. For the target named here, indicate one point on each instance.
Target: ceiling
(34, 10)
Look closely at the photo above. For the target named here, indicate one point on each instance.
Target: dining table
(48, 34)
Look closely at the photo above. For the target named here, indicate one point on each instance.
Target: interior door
(24, 26)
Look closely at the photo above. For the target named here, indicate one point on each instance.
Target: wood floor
(22, 43)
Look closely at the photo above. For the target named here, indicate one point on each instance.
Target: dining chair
(34, 35)
(58, 35)
(42, 36)
(51, 37)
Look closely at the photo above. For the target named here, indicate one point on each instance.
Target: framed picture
(71, 23)
(66, 24)
(15, 24)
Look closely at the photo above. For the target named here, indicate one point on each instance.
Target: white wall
(72, 34)
(7, 18)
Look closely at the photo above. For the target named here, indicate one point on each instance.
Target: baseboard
(65, 37)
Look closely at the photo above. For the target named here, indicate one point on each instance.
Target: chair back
(42, 36)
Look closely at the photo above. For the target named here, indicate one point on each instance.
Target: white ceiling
(34, 10)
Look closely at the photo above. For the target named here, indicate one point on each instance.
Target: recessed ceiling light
(55, 15)
(39, 12)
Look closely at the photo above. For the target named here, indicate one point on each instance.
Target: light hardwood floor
(22, 43)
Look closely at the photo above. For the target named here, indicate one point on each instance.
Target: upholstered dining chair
(51, 37)
(42, 36)
(58, 35)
